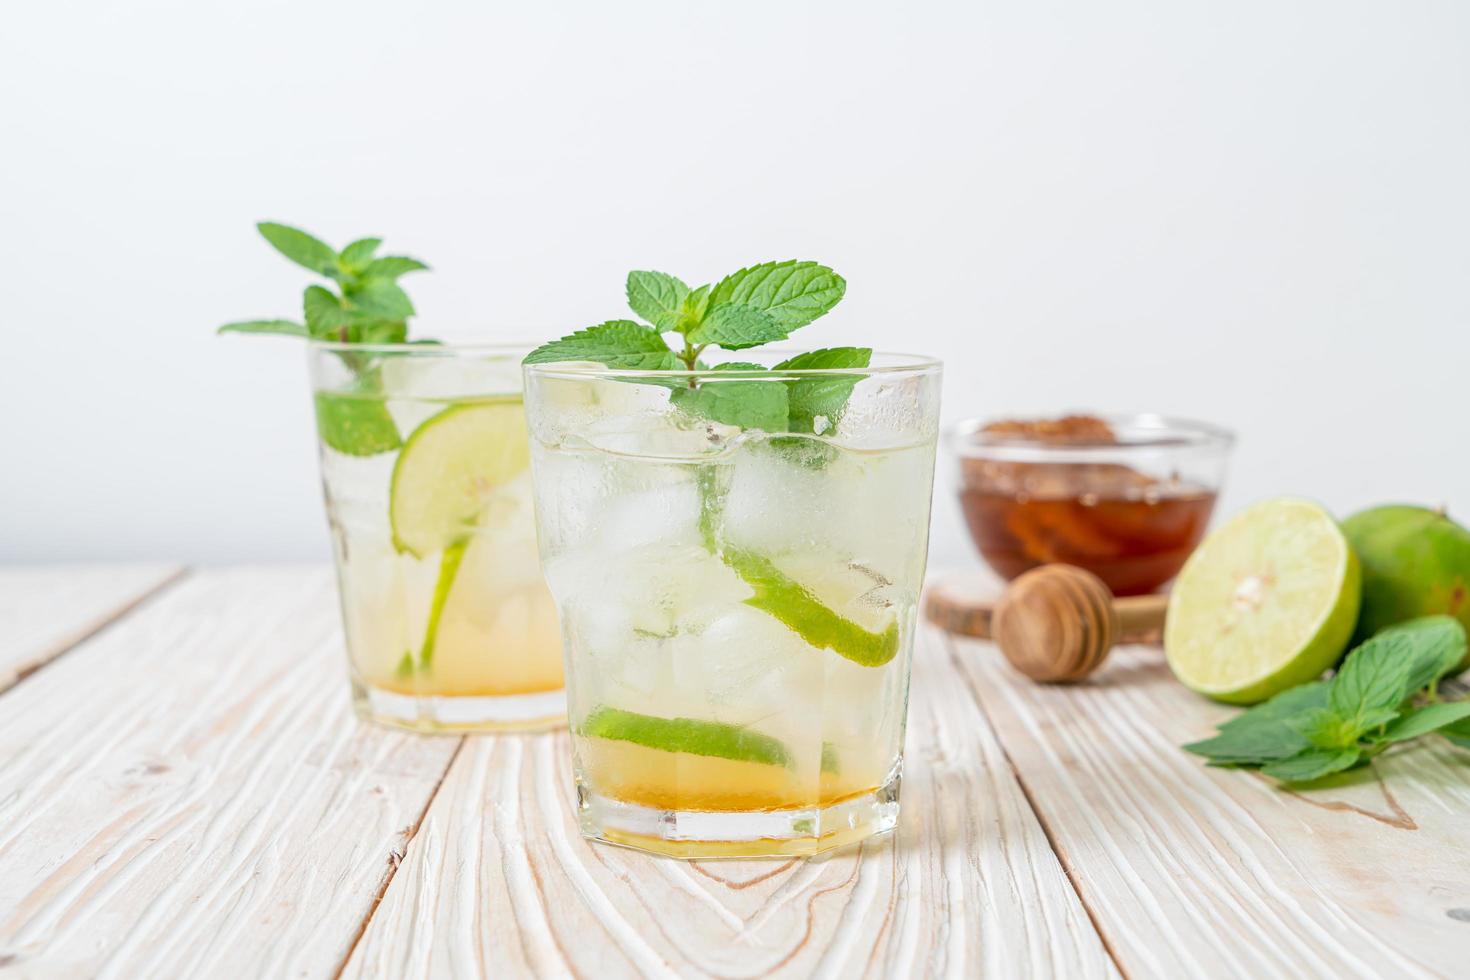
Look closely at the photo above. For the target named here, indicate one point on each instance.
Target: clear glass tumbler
(737, 606)
(425, 469)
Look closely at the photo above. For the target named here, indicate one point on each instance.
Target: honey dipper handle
(1140, 616)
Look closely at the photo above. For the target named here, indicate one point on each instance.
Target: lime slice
(1267, 602)
(781, 596)
(690, 735)
(448, 468)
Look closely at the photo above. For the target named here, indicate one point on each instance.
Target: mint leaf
(791, 293)
(749, 404)
(736, 328)
(356, 256)
(1251, 744)
(1296, 701)
(289, 327)
(657, 297)
(616, 344)
(383, 332)
(817, 403)
(1312, 764)
(355, 424)
(1432, 645)
(325, 315)
(1326, 729)
(1377, 718)
(693, 309)
(390, 267)
(1375, 675)
(382, 298)
(1264, 733)
(1427, 719)
(1458, 733)
(301, 248)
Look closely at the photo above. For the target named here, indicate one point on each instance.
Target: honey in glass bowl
(1126, 497)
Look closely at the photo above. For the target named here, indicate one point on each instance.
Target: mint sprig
(1386, 692)
(369, 307)
(754, 306)
(366, 306)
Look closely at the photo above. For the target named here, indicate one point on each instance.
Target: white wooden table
(184, 792)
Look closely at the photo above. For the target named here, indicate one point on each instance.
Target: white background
(1254, 212)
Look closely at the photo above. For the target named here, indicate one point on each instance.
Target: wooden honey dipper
(1055, 623)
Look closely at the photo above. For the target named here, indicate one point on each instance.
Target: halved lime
(448, 468)
(1267, 602)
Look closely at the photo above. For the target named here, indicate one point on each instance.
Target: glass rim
(425, 350)
(910, 364)
(1168, 432)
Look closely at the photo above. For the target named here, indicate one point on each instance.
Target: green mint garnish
(356, 424)
(750, 404)
(1384, 693)
(367, 307)
(754, 306)
(780, 295)
(692, 736)
(1312, 764)
(657, 297)
(815, 403)
(617, 344)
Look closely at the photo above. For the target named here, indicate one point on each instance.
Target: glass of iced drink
(737, 607)
(425, 469)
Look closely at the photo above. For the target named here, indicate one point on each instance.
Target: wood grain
(188, 794)
(46, 610)
(498, 882)
(1193, 871)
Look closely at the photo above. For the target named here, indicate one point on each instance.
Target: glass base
(688, 834)
(457, 715)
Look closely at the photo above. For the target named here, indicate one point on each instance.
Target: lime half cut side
(1267, 602)
(449, 467)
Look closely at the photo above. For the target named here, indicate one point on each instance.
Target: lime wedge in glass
(447, 469)
(1267, 602)
(781, 596)
(690, 735)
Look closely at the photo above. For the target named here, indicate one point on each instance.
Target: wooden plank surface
(45, 610)
(1193, 871)
(188, 794)
(499, 883)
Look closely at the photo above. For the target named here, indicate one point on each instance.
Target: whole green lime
(1416, 562)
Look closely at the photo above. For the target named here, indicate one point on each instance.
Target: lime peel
(693, 736)
(781, 596)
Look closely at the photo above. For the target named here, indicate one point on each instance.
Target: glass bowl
(1126, 497)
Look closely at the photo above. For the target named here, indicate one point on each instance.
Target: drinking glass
(425, 470)
(737, 606)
